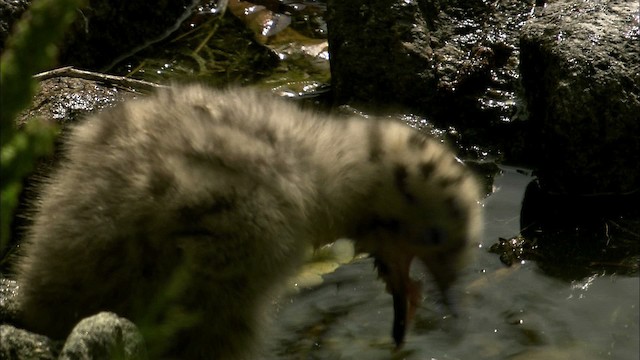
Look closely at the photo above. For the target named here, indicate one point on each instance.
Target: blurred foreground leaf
(31, 48)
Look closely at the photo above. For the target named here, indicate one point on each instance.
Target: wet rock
(476, 50)
(380, 51)
(454, 61)
(514, 250)
(20, 344)
(8, 304)
(104, 336)
(580, 64)
(10, 12)
(67, 99)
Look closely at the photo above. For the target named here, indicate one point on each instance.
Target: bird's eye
(433, 237)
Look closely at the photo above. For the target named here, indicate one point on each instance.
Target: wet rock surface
(454, 61)
(380, 52)
(66, 99)
(580, 67)
(20, 344)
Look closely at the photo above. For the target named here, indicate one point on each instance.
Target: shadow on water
(567, 304)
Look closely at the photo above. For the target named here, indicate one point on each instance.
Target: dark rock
(380, 52)
(476, 49)
(104, 336)
(10, 12)
(551, 212)
(17, 344)
(580, 64)
(454, 61)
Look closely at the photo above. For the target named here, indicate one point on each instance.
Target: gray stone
(580, 64)
(18, 344)
(104, 336)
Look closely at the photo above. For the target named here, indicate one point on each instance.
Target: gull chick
(197, 204)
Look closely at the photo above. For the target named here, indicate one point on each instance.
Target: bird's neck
(344, 180)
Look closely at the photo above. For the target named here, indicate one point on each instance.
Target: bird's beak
(444, 272)
(406, 292)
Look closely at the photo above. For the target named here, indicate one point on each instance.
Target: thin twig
(207, 38)
(70, 71)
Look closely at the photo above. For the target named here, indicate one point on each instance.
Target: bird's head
(424, 206)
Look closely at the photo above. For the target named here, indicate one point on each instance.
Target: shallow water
(505, 313)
